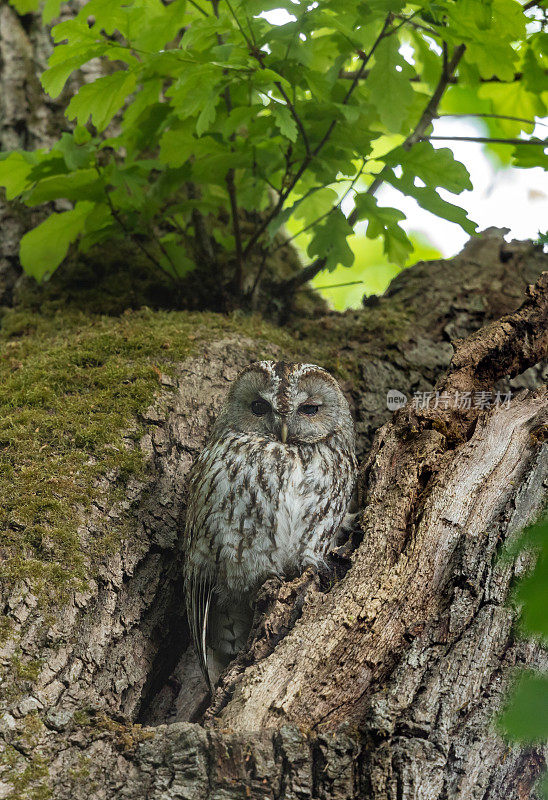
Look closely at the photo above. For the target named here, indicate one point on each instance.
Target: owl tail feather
(198, 606)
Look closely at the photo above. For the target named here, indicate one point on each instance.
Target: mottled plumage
(267, 495)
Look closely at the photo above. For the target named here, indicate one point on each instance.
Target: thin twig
(239, 274)
(231, 187)
(405, 20)
(493, 116)
(356, 177)
(485, 140)
(349, 75)
(164, 251)
(417, 25)
(258, 275)
(306, 274)
(365, 60)
(236, 20)
(248, 20)
(201, 10)
(201, 234)
(339, 285)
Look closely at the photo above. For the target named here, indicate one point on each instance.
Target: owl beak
(283, 432)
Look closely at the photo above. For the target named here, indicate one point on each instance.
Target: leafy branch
(310, 155)
(131, 234)
(309, 272)
(227, 125)
(426, 119)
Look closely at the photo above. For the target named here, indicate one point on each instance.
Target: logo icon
(395, 399)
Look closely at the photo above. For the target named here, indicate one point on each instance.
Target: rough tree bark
(380, 681)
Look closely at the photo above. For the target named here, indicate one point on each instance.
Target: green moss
(71, 387)
(27, 781)
(22, 673)
(24, 764)
(24, 670)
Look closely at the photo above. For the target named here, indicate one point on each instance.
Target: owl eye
(260, 407)
(309, 409)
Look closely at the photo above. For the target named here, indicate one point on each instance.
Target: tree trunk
(380, 684)
(380, 680)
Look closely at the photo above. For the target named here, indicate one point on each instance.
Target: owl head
(287, 402)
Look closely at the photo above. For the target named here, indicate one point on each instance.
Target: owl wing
(198, 602)
(199, 579)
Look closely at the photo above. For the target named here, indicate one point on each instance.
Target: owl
(267, 495)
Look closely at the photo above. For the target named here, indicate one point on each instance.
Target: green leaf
(77, 154)
(380, 8)
(163, 24)
(511, 99)
(14, 172)
(127, 18)
(329, 241)
(284, 121)
(317, 202)
(496, 60)
(43, 248)
(25, 6)
(384, 222)
(64, 60)
(177, 144)
(434, 166)
(526, 156)
(371, 273)
(390, 90)
(102, 99)
(267, 78)
(489, 31)
(175, 260)
(207, 114)
(51, 10)
(534, 76)
(429, 199)
(192, 90)
(526, 717)
(49, 164)
(204, 31)
(81, 184)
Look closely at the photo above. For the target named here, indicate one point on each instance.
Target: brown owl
(267, 495)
